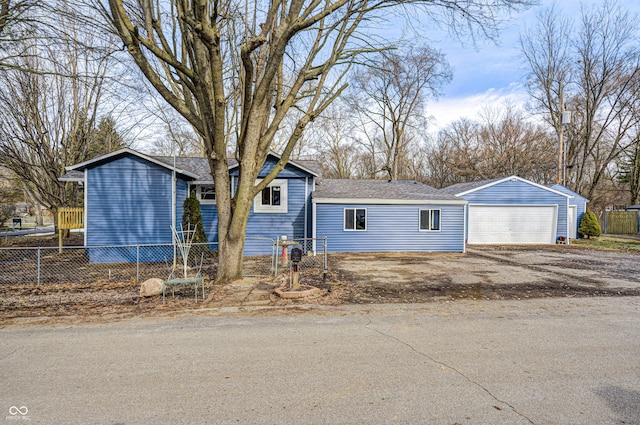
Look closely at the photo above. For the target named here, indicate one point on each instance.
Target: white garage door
(508, 224)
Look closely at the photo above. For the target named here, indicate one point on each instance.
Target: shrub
(192, 216)
(589, 225)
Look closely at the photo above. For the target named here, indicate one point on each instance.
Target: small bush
(589, 225)
(192, 216)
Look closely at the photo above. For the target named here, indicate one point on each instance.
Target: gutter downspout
(173, 208)
(306, 206)
(313, 225)
(86, 204)
(567, 232)
(464, 226)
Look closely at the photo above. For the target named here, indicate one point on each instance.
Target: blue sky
(487, 74)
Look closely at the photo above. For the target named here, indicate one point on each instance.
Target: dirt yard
(490, 273)
(487, 273)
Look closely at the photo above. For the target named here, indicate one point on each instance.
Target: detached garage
(513, 210)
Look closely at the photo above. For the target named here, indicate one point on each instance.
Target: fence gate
(314, 254)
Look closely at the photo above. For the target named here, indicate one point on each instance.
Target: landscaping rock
(151, 287)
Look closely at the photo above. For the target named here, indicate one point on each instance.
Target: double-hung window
(355, 219)
(273, 198)
(429, 220)
(206, 193)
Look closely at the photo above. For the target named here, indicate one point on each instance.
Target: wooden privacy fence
(618, 222)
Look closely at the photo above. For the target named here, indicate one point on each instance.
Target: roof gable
(193, 167)
(112, 156)
(466, 188)
(457, 188)
(568, 191)
(306, 166)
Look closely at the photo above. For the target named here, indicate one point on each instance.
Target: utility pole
(560, 179)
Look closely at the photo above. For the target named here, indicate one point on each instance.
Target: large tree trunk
(230, 254)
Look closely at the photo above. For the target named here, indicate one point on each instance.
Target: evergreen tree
(192, 216)
(589, 225)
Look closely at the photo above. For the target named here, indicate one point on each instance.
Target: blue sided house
(386, 215)
(133, 199)
(577, 208)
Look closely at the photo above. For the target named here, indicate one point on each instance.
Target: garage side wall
(521, 193)
(391, 228)
(579, 201)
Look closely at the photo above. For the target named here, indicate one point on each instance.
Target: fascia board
(363, 201)
(131, 152)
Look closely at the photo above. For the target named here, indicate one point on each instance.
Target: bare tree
(390, 96)
(594, 67)
(10, 193)
(629, 169)
(236, 70)
(179, 142)
(511, 145)
(333, 135)
(455, 156)
(501, 144)
(50, 110)
(12, 13)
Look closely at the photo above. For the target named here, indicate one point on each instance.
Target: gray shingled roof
(72, 176)
(200, 166)
(196, 165)
(378, 189)
(463, 187)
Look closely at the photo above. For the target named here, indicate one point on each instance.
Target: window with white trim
(206, 193)
(355, 219)
(273, 198)
(429, 220)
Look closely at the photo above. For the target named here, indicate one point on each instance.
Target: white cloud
(447, 110)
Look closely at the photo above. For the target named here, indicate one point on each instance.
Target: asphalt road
(546, 361)
(24, 231)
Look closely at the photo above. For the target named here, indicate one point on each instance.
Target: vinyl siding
(391, 228)
(129, 203)
(182, 187)
(521, 193)
(579, 201)
(289, 171)
(272, 225)
(263, 226)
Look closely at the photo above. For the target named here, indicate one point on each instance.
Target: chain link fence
(314, 254)
(97, 263)
(136, 263)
